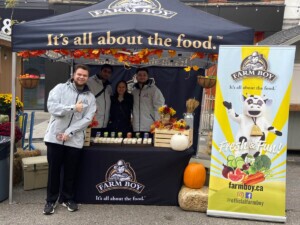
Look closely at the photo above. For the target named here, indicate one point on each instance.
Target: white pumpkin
(179, 142)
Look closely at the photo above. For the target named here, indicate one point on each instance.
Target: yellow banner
(248, 165)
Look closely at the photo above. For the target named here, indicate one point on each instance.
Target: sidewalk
(41, 121)
(29, 204)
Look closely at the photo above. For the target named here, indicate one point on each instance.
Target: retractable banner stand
(248, 162)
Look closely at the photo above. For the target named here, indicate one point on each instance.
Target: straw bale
(193, 199)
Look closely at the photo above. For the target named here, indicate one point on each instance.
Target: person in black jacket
(121, 109)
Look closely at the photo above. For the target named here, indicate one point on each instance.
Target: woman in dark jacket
(121, 109)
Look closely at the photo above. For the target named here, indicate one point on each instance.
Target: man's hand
(65, 137)
(59, 136)
(62, 137)
(79, 106)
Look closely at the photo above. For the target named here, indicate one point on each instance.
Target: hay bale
(18, 169)
(193, 199)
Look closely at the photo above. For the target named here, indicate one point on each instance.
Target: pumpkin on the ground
(194, 175)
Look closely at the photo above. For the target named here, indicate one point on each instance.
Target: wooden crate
(162, 137)
(87, 140)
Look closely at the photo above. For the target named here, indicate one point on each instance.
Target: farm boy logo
(120, 176)
(254, 65)
(144, 7)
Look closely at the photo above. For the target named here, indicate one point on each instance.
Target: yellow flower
(173, 112)
(179, 125)
(161, 109)
(166, 110)
(5, 103)
(187, 69)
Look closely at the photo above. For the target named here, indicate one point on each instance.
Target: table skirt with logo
(131, 175)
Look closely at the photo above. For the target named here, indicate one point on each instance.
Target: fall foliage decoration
(211, 57)
(122, 55)
(94, 123)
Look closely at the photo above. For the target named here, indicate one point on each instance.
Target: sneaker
(71, 205)
(49, 208)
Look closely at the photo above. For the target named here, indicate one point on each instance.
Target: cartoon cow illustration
(253, 126)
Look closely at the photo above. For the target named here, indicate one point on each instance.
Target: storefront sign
(248, 163)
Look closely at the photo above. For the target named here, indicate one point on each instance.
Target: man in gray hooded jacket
(100, 86)
(147, 98)
(72, 107)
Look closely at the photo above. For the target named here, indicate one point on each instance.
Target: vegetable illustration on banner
(250, 133)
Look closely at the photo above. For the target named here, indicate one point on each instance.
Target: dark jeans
(60, 156)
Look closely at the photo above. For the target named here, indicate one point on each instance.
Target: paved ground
(29, 204)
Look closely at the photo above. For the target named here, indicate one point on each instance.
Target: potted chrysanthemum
(5, 104)
(5, 131)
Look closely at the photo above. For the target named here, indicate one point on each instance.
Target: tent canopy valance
(129, 24)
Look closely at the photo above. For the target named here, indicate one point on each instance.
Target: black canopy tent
(154, 24)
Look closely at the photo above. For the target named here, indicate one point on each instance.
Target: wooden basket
(162, 137)
(87, 140)
(206, 82)
(29, 83)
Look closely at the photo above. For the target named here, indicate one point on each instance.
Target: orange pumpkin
(194, 175)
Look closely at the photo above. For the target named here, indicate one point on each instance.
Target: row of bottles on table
(119, 139)
(120, 134)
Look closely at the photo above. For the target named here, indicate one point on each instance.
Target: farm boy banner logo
(254, 65)
(248, 162)
(144, 7)
(120, 176)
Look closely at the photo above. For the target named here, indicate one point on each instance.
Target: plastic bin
(4, 167)
(35, 172)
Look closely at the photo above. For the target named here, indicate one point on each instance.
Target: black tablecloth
(151, 176)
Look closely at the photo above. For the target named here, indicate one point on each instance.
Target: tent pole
(72, 68)
(12, 128)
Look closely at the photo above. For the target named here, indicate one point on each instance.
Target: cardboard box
(35, 171)
(162, 137)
